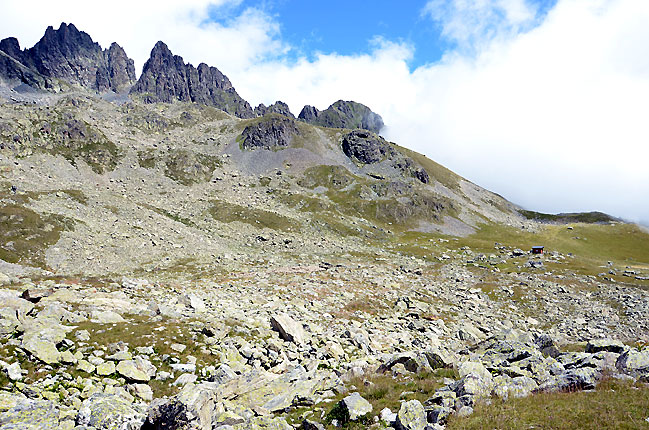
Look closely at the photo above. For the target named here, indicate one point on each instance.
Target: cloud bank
(546, 109)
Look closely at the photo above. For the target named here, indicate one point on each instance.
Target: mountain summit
(166, 78)
(72, 56)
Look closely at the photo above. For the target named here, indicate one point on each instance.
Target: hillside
(171, 258)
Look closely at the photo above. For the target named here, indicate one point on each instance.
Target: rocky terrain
(174, 259)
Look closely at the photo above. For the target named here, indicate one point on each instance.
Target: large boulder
(351, 408)
(634, 362)
(193, 408)
(109, 412)
(411, 416)
(30, 415)
(608, 345)
(288, 328)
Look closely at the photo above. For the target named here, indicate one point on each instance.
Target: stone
(608, 345)
(178, 347)
(411, 416)
(85, 366)
(13, 370)
(222, 374)
(143, 391)
(311, 425)
(44, 350)
(192, 408)
(109, 412)
(351, 408)
(106, 317)
(31, 415)
(34, 295)
(105, 369)
(634, 362)
(130, 371)
(68, 358)
(520, 386)
(184, 379)
(288, 328)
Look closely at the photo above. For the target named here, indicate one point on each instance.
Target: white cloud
(472, 23)
(548, 111)
(138, 25)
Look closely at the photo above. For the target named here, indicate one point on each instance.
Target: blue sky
(352, 27)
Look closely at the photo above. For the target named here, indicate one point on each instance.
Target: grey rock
(192, 408)
(351, 408)
(71, 55)
(30, 415)
(311, 425)
(608, 345)
(411, 416)
(166, 78)
(343, 114)
(269, 133)
(288, 328)
(278, 107)
(109, 412)
(634, 362)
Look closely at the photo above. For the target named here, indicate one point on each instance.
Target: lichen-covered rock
(289, 329)
(634, 362)
(130, 370)
(520, 386)
(411, 416)
(44, 350)
(109, 412)
(30, 415)
(350, 408)
(269, 133)
(192, 408)
(608, 345)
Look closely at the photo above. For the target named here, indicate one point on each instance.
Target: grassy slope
(613, 405)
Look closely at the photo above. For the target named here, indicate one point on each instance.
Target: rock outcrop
(368, 148)
(167, 78)
(70, 55)
(274, 132)
(278, 107)
(343, 114)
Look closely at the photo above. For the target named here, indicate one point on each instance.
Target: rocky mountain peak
(167, 78)
(343, 114)
(72, 56)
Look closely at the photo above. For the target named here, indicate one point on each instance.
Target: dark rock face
(343, 114)
(71, 55)
(309, 114)
(268, 134)
(166, 78)
(368, 148)
(278, 107)
(13, 70)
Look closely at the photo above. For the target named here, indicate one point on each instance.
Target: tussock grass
(613, 405)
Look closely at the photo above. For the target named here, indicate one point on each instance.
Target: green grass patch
(229, 212)
(613, 405)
